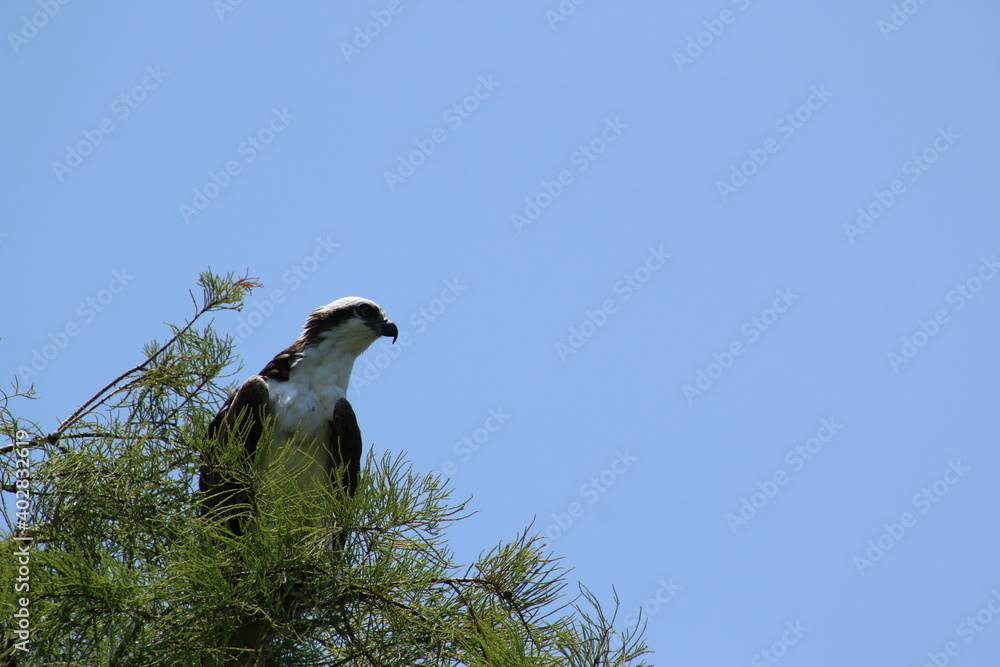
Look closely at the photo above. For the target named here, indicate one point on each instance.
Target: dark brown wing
(224, 476)
(345, 444)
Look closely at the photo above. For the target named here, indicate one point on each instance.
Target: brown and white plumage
(314, 435)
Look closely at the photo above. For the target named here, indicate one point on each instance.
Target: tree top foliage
(105, 558)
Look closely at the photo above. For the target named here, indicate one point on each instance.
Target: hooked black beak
(388, 328)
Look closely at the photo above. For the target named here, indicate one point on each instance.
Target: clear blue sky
(710, 289)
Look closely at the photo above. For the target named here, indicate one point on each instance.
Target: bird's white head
(349, 324)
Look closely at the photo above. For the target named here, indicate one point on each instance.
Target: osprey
(315, 438)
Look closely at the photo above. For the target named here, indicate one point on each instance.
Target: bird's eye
(365, 311)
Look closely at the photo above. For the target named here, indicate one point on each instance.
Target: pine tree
(106, 559)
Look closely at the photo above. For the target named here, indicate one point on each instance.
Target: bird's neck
(324, 366)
